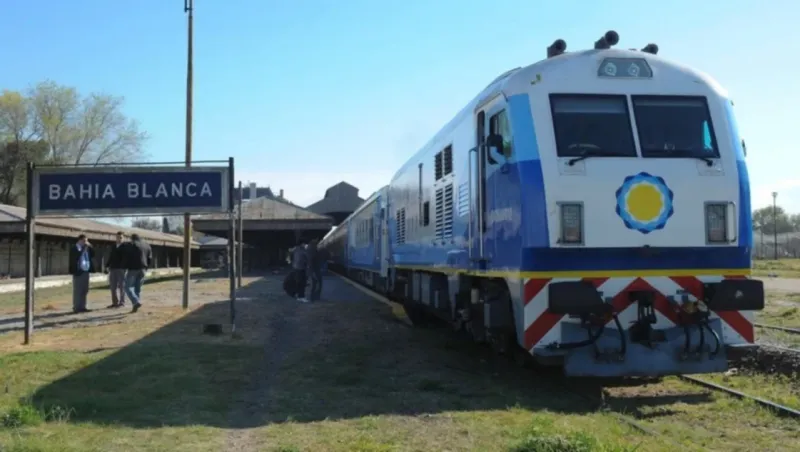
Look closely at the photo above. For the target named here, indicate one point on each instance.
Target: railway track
(778, 409)
(779, 348)
(778, 328)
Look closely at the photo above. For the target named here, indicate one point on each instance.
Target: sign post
(232, 250)
(30, 232)
(121, 190)
(239, 235)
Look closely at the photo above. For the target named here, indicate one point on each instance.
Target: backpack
(290, 284)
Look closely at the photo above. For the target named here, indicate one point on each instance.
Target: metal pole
(232, 246)
(188, 7)
(775, 221)
(240, 253)
(30, 242)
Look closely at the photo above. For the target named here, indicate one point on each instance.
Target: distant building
(340, 201)
(252, 192)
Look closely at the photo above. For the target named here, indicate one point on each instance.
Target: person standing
(300, 264)
(81, 266)
(138, 258)
(315, 268)
(116, 273)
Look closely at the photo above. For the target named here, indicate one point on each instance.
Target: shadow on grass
(51, 319)
(41, 326)
(342, 358)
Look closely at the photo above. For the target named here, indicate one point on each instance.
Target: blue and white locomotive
(592, 208)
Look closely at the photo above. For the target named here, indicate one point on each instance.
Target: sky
(307, 93)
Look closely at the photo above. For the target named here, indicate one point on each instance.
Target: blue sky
(305, 93)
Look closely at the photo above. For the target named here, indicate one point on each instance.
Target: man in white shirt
(81, 266)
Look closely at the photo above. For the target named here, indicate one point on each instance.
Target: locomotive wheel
(501, 340)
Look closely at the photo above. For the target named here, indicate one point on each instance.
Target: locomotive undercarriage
(594, 341)
(692, 345)
(480, 307)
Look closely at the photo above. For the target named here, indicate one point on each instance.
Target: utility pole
(775, 221)
(188, 7)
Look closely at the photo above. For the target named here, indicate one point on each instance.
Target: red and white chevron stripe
(542, 327)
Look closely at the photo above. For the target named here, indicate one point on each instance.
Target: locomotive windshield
(594, 124)
(671, 126)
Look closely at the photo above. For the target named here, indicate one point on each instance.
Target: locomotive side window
(674, 126)
(498, 124)
(596, 125)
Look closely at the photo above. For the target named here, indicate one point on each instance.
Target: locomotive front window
(674, 126)
(596, 125)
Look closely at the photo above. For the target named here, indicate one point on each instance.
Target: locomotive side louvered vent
(447, 232)
(444, 212)
(401, 226)
(448, 160)
(438, 165)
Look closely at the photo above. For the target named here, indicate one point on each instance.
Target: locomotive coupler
(642, 331)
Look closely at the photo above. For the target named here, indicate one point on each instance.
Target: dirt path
(781, 284)
(265, 304)
(293, 328)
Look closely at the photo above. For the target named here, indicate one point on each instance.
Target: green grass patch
(79, 401)
(783, 268)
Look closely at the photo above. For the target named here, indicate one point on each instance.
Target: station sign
(119, 191)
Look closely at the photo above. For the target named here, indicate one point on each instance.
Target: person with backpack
(81, 266)
(316, 258)
(299, 266)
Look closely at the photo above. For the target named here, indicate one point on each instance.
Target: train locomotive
(592, 208)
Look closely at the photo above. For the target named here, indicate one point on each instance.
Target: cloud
(305, 188)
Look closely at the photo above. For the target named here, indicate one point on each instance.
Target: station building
(54, 236)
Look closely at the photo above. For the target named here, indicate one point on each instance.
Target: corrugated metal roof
(13, 214)
(268, 209)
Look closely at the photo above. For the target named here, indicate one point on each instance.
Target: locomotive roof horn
(611, 38)
(556, 48)
(651, 48)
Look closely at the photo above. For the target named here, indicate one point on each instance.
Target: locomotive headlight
(717, 223)
(571, 223)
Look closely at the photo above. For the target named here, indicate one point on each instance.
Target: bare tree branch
(54, 124)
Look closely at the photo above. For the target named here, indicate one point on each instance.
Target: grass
(780, 309)
(780, 389)
(699, 418)
(307, 377)
(783, 268)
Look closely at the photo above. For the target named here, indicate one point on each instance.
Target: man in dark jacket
(138, 258)
(315, 256)
(299, 266)
(116, 273)
(81, 266)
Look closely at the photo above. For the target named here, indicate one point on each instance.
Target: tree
(147, 223)
(794, 219)
(14, 158)
(54, 124)
(87, 130)
(174, 224)
(18, 145)
(765, 220)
